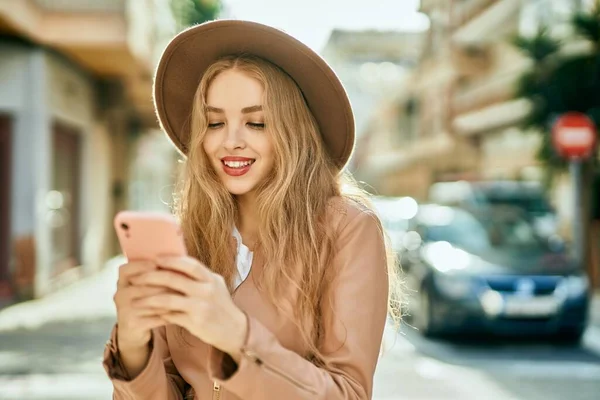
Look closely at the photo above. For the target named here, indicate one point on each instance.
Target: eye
(256, 125)
(215, 125)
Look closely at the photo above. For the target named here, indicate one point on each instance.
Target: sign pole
(575, 167)
(574, 138)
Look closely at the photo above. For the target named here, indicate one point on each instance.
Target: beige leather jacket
(274, 365)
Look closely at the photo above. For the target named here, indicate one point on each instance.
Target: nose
(234, 138)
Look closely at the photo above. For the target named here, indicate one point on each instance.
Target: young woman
(286, 290)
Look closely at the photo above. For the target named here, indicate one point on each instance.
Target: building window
(409, 120)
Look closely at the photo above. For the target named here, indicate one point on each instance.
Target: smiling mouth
(237, 164)
(237, 167)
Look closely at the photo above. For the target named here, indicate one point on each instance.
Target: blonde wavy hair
(292, 202)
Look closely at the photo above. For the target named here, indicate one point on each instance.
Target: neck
(248, 222)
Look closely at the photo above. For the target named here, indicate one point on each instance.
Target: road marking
(572, 370)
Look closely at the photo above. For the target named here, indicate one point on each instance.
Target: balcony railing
(465, 11)
(491, 21)
(484, 93)
(109, 38)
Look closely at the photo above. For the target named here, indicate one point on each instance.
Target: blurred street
(52, 348)
(476, 126)
(421, 369)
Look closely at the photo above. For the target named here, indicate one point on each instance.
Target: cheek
(268, 150)
(210, 145)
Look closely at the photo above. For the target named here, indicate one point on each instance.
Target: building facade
(75, 95)
(457, 117)
(373, 66)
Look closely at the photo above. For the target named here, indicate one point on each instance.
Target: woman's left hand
(202, 303)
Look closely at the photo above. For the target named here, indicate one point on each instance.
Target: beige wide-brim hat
(190, 53)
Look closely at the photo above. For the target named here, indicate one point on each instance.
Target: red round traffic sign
(574, 135)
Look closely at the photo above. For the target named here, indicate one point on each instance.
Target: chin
(239, 188)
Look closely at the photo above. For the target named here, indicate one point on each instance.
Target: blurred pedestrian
(285, 291)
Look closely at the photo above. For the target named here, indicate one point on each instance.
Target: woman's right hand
(135, 324)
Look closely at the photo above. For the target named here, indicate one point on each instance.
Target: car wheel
(571, 335)
(423, 319)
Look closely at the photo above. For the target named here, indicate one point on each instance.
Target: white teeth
(237, 164)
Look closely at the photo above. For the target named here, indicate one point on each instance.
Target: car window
(493, 229)
(531, 200)
(452, 225)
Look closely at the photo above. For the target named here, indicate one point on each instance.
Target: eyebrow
(245, 110)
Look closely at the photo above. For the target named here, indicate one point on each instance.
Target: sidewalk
(89, 299)
(51, 348)
(94, 300)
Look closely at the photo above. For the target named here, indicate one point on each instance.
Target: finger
(186, 265)
(176, 318)
(150, 312)
(170, 302)
(146, 323)
(127, 271)
(166, 279)
(137, 292)
(124, 297)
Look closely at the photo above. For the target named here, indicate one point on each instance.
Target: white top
(243, 259)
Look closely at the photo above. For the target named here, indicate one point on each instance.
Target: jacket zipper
(216, 391)
(254, 358)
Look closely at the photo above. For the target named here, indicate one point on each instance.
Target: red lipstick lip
(236, 171)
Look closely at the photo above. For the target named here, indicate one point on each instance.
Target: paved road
(57, 361)
(416, 368)
(62, 361)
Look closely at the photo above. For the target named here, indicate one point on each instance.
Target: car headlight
(445, 258)
(492, 302)
(455, 286)
(574, 286)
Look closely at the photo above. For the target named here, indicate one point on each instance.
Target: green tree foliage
(561, 82)
(193, 12)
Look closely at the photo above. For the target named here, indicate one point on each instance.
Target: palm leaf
(539, 47)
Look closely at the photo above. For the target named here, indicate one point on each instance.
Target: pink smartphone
(145, 236)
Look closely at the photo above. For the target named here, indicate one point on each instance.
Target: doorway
(5, 195)
(63, 200)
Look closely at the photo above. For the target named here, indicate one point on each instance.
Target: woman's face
(236, 143)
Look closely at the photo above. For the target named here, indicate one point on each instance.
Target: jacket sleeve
(353, 332)
(159, 380)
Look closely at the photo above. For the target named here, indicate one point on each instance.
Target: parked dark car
(490, 272)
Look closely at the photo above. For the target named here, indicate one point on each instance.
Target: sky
(311, 21)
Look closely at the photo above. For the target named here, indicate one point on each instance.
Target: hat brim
(190, 53)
